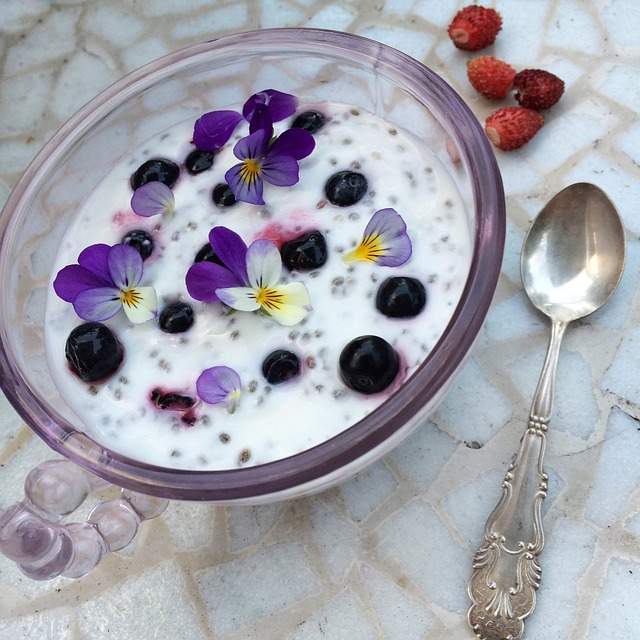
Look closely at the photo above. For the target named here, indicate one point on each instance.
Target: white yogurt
(271, 422)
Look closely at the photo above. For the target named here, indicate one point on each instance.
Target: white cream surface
(272, 421)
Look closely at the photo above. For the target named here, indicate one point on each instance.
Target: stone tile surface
(387, 554)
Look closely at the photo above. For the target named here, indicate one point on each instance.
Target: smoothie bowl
(250, 268)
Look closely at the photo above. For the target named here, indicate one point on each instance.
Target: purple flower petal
(125, 266)
(232, 250)
(246, 191)
(264, 264)
(98, 304)
(389, 226)
(297, 143)
(73, 280)
(95, 258)
(253, 146)
(281, 171)
(281, 105)
(152, 199)
(212, 130)
(203, 278)
(261, 119)
(215, 385)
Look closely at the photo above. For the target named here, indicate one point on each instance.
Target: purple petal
(212, 130)
(251, 191)
(281, 105)
(95, 258)
(125, 266)
(203, 278)
(261, 119)
(389, 225)
(297, 143)
(215, 385)
(75, 279)
(152, 199)
(253, 146)
(98, 304)
(232, 250)
(281, 171)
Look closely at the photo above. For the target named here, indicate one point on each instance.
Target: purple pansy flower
(250, 281)
(213, 130)
(220, 384)
(385, 241)
(276, 163)
(105, 280)
(152, 199)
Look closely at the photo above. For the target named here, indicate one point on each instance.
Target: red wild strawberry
(511, 127)
(537, 89)
(474, 27)
(491, 77)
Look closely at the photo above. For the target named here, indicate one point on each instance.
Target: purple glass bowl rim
(423, 386)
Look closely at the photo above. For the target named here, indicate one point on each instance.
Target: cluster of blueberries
(368, 364)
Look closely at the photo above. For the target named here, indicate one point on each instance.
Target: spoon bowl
(573, 255)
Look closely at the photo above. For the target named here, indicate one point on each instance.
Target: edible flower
(276, 163)
(152, 199)
(105, 280)
(385, 241)
(250, 279)
(213, 129)
(220, 384)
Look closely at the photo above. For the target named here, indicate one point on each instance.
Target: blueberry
(304, 253)
(155, 170)
(280, 366)
(222, 195)
(140, 240)
(401, 297)
(345, 188)
(207, 254)
(198, 161)
(171, 401)
(310, 121)
(176, 317)
(368, 364)
(93, 351)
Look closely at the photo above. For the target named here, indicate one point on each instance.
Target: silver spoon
(572, 260)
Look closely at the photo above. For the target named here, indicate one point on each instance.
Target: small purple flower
(276, 163)
(152, 199)
(250, 281)
(385, 241)
(220, 384)
(213, 129)
(105, 280)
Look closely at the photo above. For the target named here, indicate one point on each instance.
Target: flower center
(370, 249)
(130, 297)
(269, 298)
(250, 170)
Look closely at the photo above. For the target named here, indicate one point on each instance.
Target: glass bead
(116, 521)
(56, 487)
(88, 549)
(147, 507)
(24, 536)
(55, 561)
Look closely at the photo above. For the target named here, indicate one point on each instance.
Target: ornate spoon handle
(506, 572)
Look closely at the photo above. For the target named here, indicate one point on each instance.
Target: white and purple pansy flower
(264, 161)
(219, 385)
(213, 130)
(250, 281)
(106, 280)
(385, 241)
(152, 199)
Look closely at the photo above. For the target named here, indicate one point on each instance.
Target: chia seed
(224, 438)
(244, 456)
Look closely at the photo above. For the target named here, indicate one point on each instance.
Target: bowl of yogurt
(249, 268)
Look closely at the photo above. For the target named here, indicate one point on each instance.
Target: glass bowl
(313, 64)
